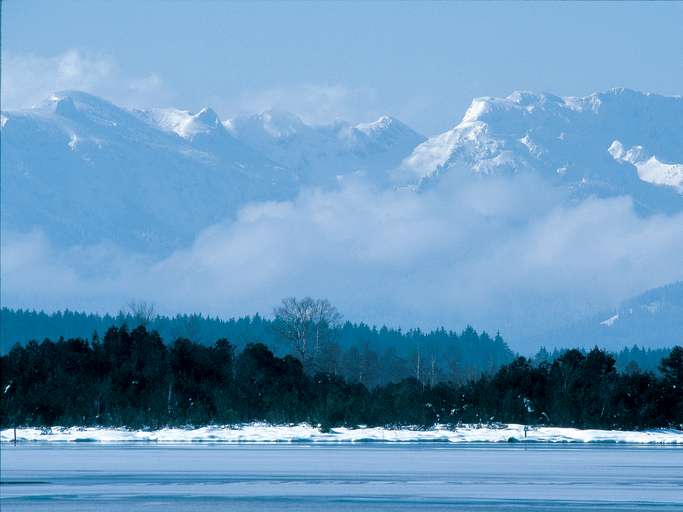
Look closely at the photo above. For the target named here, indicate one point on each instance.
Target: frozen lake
(310, 477)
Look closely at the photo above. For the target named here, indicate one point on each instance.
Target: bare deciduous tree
(307, 323)
(325, 318)
(143, 313)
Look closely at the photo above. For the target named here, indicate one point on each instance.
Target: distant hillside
(653, 318)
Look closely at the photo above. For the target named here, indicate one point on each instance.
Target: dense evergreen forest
(441, 352)
(133, 378)
(354, 351)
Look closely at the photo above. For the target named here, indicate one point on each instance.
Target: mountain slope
(619, 142)
(323, 154)
(653, 318)
(86, 171)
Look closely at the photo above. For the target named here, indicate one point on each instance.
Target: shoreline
(263, 433)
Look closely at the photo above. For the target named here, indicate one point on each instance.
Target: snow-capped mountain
(323, 154)
(653, 318)
(85, 171)
(612, 143)
(184, 123)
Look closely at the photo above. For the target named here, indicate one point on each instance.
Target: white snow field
(265, 433)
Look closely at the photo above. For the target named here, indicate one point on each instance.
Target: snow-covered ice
(265, 433)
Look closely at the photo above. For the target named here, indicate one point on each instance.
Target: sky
(421, 62)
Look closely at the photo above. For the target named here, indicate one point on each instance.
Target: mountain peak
(271, 123)
(391, 127)
(280, 123)
(84, 107)
(532, 98)
(383, 123)
(569, 140)
(207, 117)
(621, 91)
(185, 123)
(81, 101)
(63, 105)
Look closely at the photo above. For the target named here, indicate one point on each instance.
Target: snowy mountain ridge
(322, 154)
(87, 170)
(184, 123)
(316, 154)
(573, 141)
(650, 169)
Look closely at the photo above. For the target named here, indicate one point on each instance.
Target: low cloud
(510, 254)
(29, 79)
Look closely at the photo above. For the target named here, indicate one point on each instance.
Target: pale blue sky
(422, 62)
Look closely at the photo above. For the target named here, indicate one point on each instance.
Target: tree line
(375, 355)
(133, 378)
(309, 329)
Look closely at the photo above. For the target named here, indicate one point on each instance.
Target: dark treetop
(132, 378)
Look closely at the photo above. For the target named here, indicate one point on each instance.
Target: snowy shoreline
(303, 433)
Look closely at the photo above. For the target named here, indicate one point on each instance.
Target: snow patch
(265, 433)
(183, 122)
(530, 145)
(610, 321)
(383, 123)
(73, 141)
(649, 168)
(544, 133)
(432, 154)
(477, 109)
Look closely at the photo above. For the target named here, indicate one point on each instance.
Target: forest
(388, 354)
(131, 377)
(355, 351)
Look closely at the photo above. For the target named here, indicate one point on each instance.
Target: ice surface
(265, 433)
(426, 477)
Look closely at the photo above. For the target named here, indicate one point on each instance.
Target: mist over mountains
(533, 213)
(644, 320)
